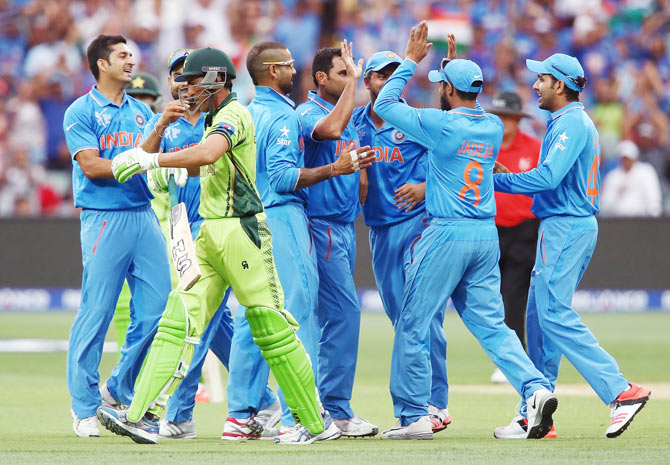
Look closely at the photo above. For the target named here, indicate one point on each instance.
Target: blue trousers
(392, 250)
(339, 314)
(457, 259)
(564, 248)
(296, 266)
(116, 245)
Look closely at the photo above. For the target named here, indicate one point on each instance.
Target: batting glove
(158, 178)
(131, 162)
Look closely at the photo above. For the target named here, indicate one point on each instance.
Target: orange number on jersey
(472, 185)
(592, 181)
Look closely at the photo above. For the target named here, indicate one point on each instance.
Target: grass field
(35, 426)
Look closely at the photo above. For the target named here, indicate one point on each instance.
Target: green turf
(35, 426)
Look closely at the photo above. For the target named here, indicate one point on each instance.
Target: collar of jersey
(568, 107)
(271, 94)
(232, 96)
(102, 100)
(468, 111)
(314, 97)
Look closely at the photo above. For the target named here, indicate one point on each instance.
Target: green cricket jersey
(228, 187)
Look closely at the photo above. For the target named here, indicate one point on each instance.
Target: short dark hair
(101, 47)
(323, 61)
(471, 96)
(254, 64)
(570, 95)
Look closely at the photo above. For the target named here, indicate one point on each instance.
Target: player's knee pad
(274, 334)
(168, 359)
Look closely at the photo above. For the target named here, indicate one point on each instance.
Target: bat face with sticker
(182, 247)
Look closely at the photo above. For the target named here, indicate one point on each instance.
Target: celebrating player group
(264, 200)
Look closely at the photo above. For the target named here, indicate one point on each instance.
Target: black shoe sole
(541, 430)
(620, 431)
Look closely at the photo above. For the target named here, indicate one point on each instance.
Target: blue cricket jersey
(336, 198)
(94, 122)
(398, 161)
(280, 147)
(462, 144)
(567, 178)
(181, 135)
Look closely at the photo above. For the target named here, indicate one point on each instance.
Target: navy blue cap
(464, 75)
(563, 67)
(177, 58)
(381, 60)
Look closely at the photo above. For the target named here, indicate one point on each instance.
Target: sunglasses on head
(580, 81)
(290, 63)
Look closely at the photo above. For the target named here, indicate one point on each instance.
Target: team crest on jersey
(103, 118)
(227, 128)
(398, 136)
(139, 119)
(171, 132)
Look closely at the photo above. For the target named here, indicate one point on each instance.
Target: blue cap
(563, 67)
(381, 60)
(177, 58)
(464, 75)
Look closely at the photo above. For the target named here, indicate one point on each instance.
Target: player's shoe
(300, 435)
(144, 431)
(497, 377)
(241, 429)
(420, 429)
(625, 407)
(201, 395)
(85, 427)
(518, 429)
(107, 399)
(540, 407)
(439, 418)
(355, 427)
(177, 429)
(268, 418)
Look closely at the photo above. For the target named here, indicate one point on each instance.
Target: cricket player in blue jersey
(281, 177)
(120, 236)
(179, 128)
(457, 255)
(395, 211)
(566, 186)
(332, 207)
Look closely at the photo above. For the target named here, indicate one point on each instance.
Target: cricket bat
(181, 242)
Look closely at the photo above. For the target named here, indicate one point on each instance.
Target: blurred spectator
(623, 46)
(631, 189)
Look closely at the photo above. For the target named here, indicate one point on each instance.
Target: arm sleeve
(283, 153)
(421, 125)
(547, 176)
(79, 133)
(308, 119)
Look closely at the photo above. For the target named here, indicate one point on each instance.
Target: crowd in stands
(624, 46)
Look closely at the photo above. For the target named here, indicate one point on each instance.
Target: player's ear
(102, 64)
(366, 80)
(321, 77)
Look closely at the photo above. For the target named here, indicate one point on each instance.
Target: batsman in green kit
(233, 248)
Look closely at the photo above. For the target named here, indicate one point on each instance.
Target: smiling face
(285, 72)
(120, 65)
(376, 79)
(546, 88)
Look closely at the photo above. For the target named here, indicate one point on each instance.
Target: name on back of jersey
(475, 149)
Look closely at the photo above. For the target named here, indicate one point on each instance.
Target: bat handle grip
(172, 189)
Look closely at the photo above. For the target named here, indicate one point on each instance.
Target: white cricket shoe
(85, 427)
(541, 405)
(439, 418)
(241, 429)
(355, 427)
(107, 399)
(300, 435)
(420, 429)
(497, 377)
(177, 429)
(625, 407)
(518, 429)
(268, 418)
